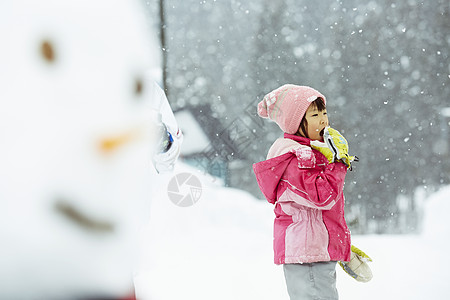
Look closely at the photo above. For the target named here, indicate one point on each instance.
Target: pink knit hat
(287, 105)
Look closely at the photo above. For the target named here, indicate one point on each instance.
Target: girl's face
(316, 123)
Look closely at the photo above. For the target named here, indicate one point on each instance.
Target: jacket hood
(269, 172)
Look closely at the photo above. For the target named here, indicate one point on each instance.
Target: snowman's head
(76, 138)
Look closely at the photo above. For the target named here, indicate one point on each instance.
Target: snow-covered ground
(221, 248)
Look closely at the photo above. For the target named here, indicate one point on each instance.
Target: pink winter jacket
(309, 202)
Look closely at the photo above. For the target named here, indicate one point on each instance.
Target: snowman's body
(76, 138)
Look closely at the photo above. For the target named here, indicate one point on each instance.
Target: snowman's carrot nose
(111, 143)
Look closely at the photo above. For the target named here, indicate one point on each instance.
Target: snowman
(77, 145)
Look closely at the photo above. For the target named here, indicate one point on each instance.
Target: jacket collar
(299, 139)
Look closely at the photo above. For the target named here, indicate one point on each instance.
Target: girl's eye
(315, 115)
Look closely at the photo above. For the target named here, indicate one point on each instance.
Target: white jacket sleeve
(165, 161)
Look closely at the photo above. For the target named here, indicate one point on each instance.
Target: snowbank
(409, 267)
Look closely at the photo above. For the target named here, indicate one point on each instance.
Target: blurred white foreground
(76, 142)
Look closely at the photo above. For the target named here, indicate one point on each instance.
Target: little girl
(310, 232)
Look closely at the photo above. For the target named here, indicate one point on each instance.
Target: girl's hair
(320, 105)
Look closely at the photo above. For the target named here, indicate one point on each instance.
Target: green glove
(357, 267)
(338, 146)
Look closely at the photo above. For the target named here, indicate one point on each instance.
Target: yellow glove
(338, 146)
(323, 148)
(357, 267)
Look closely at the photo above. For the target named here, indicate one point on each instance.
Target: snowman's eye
(47, 51)
(138, 86)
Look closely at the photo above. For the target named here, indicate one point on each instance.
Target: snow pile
(408, 266)
(436, 220)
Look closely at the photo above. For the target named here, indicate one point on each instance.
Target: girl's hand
(323, 148)
(338, 146)
(357, 267)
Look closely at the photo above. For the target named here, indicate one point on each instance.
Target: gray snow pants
(311, 281)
